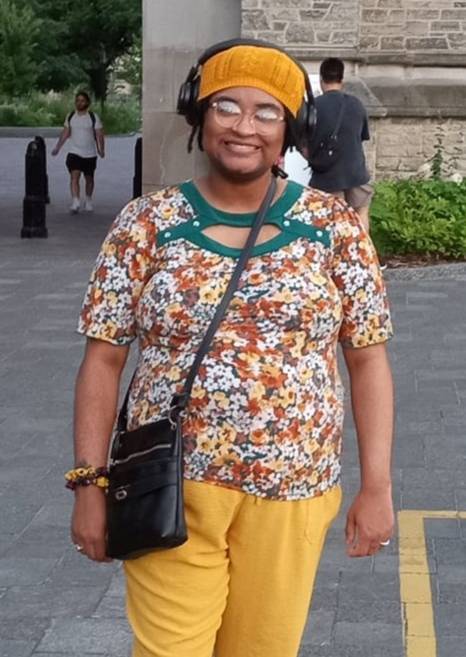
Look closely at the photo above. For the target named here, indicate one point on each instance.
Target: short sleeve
(123, 267)
(356, 273)
(98, 122)
(66, 123)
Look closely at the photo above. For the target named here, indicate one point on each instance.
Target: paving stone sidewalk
(55, 603)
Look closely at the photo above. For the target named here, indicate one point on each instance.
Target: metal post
(34, 201)
(43, 151)
(137, 178)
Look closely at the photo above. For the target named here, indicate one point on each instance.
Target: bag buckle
(121, 494)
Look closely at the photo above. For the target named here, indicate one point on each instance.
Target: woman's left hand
(370, 522)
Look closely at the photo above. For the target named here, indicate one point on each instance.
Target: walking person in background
(347, 176)
(85, 131)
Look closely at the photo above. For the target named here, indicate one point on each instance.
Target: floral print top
(266, 411)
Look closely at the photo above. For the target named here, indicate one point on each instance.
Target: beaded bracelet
(86, 476)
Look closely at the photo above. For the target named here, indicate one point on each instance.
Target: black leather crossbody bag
(145, 508)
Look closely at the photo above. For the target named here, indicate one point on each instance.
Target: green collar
(213, 215)
(205, 215)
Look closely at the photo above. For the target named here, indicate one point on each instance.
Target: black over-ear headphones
(188, 106)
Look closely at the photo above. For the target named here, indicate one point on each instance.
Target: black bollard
(43, 151)
(34, 202)
(137, 178)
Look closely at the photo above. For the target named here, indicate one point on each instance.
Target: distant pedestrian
(85, 131)
(343, 115)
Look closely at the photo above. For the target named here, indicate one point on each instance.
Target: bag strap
(93, 119)
(334, 134)
(180, 400)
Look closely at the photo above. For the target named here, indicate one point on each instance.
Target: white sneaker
(88, 207)
(74, 207)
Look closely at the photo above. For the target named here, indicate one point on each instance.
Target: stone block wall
(377, 30)
(416, 30)
(399, 147)
(303, 24)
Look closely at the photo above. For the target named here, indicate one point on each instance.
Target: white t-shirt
(297, 167)
(82, 139)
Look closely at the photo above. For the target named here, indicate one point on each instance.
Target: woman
(262, 435)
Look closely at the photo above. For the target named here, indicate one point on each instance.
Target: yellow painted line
(416, 594)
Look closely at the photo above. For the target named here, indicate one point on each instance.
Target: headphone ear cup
(304, 123)
(299, 126)
(183, 98)
(187, 104)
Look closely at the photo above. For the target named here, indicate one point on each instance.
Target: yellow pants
(240, 587)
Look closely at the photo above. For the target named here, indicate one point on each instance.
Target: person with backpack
(336, 154)
(85, 131)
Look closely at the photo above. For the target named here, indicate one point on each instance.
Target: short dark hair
(85, 95)
(332, 69)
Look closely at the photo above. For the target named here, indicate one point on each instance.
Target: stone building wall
(418, 30)
(399, 147)
(303, 24)
(368, 29)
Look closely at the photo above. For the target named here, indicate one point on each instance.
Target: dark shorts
(77, 163)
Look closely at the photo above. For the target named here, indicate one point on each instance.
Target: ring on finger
(79, 548)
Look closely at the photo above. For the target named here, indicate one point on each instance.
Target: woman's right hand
(88, 524)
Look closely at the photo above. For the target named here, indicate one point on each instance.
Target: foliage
(420, 217)
(81, 41)
(121, 114)
(129, 67)
(19, 29)
(444, 162)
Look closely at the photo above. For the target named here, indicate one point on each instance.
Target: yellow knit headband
(251, 66)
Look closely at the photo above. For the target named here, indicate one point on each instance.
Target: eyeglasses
(228, 113)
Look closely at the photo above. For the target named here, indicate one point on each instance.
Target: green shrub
(420, 217)
(122, 114)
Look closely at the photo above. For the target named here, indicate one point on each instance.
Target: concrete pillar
(175, 33)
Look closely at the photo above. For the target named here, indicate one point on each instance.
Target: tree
(78, 42)
(88, 37)
(19, 29)
(101, 31)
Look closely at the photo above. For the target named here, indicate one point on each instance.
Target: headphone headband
(301, 127)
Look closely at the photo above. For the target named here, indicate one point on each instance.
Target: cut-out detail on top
(206, 216)
(236, 236)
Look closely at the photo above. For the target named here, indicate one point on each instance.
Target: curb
(33, 131)
(46, 132)
(430, 272)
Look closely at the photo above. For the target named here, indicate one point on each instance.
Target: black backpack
(93, 119)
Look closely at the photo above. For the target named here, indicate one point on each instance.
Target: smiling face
(246, 149)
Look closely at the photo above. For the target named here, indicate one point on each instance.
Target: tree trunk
(99, 82)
